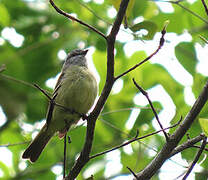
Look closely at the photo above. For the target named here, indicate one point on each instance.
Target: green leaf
(145, 117)
(129, 8)
(5, 19)
(45, 33)
(186, 55)
(204, 125)
(116, 4)
(151, 27)
(5, 170)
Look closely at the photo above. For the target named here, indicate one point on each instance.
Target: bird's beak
(85, 52)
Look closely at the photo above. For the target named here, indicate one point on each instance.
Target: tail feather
(37, 145)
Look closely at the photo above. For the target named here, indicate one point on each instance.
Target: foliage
(35, 61)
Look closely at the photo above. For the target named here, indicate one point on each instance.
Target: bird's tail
(37, 145)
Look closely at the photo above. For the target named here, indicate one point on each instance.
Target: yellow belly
(77, 92)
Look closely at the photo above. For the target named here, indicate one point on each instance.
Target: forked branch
(174, 139)
(85, 153)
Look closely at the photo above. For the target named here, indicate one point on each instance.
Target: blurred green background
(33, 40)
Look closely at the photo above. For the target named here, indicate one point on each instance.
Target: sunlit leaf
(203, 123)
(5, 18)
(46, 32)
(116, 4)
(146, 25)
(186, 55)
(5, 170)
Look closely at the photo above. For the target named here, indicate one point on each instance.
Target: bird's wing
(58, 84)
(51, 104)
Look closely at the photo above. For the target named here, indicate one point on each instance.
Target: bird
(76, 89)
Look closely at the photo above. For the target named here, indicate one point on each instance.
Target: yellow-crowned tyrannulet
(76, 89)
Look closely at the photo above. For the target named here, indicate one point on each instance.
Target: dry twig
(196, 158)
(84, 155)
(161, 43)
(132, 172)
(205, 7)
(153, 109)
(76, 19)
(190, 143)
(136, 138)
(174, 139)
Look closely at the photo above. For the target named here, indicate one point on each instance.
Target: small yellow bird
(76, 89)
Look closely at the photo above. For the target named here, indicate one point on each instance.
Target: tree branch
(196, 158)
(132, 172)
(133, 140)
(152, 107)
(53, 103)
(174, 139)
(203, 39)
(75, 19)
(187, 144)
(161, 43)
(205, 7)
(64, 163)
(195, 146)
(14, 144)
(84, 155)
(188, 10)
(16, 80)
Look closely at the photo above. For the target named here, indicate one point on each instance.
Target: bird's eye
(74, 54)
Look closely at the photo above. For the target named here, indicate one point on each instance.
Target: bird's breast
(78, 90)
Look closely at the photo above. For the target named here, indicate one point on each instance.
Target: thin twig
(133, 140)
(114, 127)
(196, 158)
(16, 80)
(64, 165)
(43, 91)
(205, 7)
(91, 121)
(185, 8)
(52, 101)
(190, 143)
(175, 138)
(76, 19)
(203, 39)
(104, 20)
(72, 111)
(51, 104)
(193, 13)
(125, 133)
(195, 146)
(161, 43)
(153, 109)
(91, 11)
(14, 144)
(50, 110)
(132, 172)
(128, 109)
